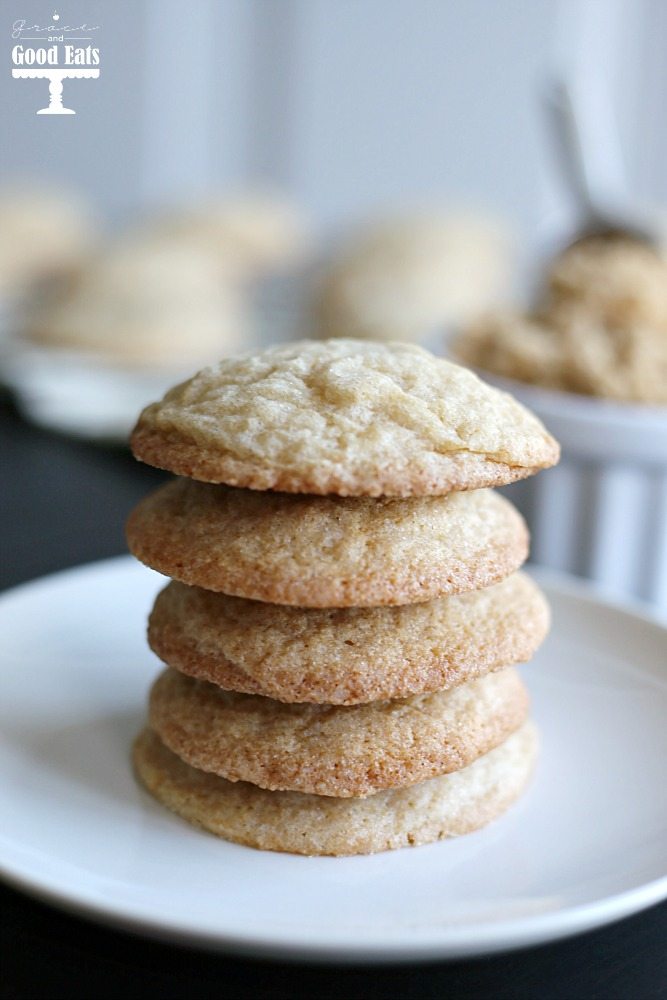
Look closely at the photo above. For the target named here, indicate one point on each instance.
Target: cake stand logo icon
(55, 52)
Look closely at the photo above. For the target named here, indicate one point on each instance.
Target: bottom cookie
(298, 823)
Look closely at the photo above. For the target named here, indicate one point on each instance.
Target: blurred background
(348, 105)
(485, 177)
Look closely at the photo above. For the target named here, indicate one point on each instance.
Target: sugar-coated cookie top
(343, 416)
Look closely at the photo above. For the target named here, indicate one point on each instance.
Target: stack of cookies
(345, 612)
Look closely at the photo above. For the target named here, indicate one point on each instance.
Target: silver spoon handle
(566, 135)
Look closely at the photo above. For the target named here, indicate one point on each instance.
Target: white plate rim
(484, 940)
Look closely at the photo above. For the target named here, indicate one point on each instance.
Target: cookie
(144, 302)
(404, 276)
(46, 234)
(327, 551)
(346, 656)
(441, 807)
(343, 751)
(343, 416)
(247, 234)
(620, 282)
(600, 328)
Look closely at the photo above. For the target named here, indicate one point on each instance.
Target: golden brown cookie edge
(464, 470)
(342, 686)
(359, 775)
(372, 590)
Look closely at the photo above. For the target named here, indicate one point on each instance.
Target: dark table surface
(64, 503)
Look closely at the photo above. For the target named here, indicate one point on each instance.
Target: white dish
(585, 846)
(601, 512)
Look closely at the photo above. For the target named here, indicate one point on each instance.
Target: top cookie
(345, 417)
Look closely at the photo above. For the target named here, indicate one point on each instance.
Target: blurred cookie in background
(599, 329)
(618, 280)
(173, 292)
(249, 235)
(44, 231)
(139, 315)
(143, 302)
(403, 277)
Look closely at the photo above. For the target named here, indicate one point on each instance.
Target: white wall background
(349, 104)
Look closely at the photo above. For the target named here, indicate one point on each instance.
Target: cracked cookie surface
(343, 416)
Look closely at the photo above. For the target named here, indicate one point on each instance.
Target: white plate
(586, 845)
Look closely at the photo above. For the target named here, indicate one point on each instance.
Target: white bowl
(602, 512)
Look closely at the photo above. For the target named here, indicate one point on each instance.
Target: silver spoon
(589, 155)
